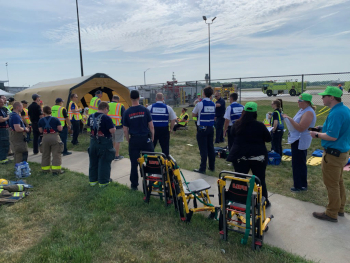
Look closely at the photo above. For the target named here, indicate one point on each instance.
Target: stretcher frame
(231, 211)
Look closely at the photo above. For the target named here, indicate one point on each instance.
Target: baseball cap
(98, 92)
(198, 94)
(11, 99)
(251, 106)
(35, 96)
(306, 97)
(134, 94)
(332, 91)
(24, 102)
(58, 100)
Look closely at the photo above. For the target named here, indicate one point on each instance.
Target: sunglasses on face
(324, 96)
(301, 100)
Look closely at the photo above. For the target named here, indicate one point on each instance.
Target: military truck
(273, 88)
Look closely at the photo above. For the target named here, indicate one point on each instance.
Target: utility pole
(7, 74)
(81, 56)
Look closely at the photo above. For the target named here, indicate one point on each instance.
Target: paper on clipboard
(289, 125)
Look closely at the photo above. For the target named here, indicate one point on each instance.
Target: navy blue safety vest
(236, 111)
(207, 114)
(160, 115)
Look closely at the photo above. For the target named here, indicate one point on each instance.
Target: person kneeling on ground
(101, 151)
(182, 120)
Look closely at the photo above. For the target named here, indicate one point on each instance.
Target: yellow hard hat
(3, 181)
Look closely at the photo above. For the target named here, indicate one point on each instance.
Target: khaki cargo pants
(51, 143)
(19, 146)
(332, 170)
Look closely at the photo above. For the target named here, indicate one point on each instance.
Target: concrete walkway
(293, 229)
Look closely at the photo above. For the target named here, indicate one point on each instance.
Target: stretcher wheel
(266, 229)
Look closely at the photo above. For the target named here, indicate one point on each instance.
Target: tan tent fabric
(49, 91)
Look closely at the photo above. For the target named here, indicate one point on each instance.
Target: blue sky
(39, 39)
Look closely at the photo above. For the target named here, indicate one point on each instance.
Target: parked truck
(273, 88)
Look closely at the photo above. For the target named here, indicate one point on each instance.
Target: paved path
(293, 228)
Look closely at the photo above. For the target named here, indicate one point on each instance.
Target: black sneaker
(67, 153)
(198, 171)
(117, 158)
(303, 189)
(295, 190)
(134, 188)
(268, 204)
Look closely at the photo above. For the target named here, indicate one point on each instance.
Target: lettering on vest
(209, 109)
(159, 110)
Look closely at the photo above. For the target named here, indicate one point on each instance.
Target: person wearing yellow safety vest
(60, 113)
(74, 117)
(51, 143)
(116, 111)
(94, 102)
(182, 120)
(277, 125)
(11, 101)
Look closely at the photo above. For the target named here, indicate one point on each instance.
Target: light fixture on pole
(81, 56)
(144, 76)
(8, 80)
(209, 23)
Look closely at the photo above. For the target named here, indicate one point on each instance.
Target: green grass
(279, 178)
(66, 220)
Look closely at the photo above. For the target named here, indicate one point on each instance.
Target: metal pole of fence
(196, 88)
(302, 83)
(240, 91)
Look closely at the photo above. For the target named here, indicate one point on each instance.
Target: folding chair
(155, 179)
(242, 207)
(185, 192)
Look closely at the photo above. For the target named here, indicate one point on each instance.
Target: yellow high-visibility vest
(26, 116)
(10, 107)
(115, 112)
(182, 116)
(57, 111)
(93, 107)
(76, 115)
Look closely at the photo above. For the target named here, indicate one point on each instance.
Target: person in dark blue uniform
(205, 111)
(139, 132)
(4, 133)
(219, 118)
(101, 150)
(161, 115)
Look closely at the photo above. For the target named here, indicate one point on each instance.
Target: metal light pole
(7, 74)
(144, 76)
(81, 56)
(208, 23)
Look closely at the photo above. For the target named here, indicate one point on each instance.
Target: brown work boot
(323, 216)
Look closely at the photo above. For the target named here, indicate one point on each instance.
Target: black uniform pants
(276, 143)
(76, 129)
(299, 166)
(258, 169)
(206, 147)
(229, 138)
(219, 126)
(162, 135)
(4, 144)
(136, 145)
(36, 135)
(64, 136)
(101, 155)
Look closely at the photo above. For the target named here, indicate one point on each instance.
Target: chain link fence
(251, 88)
